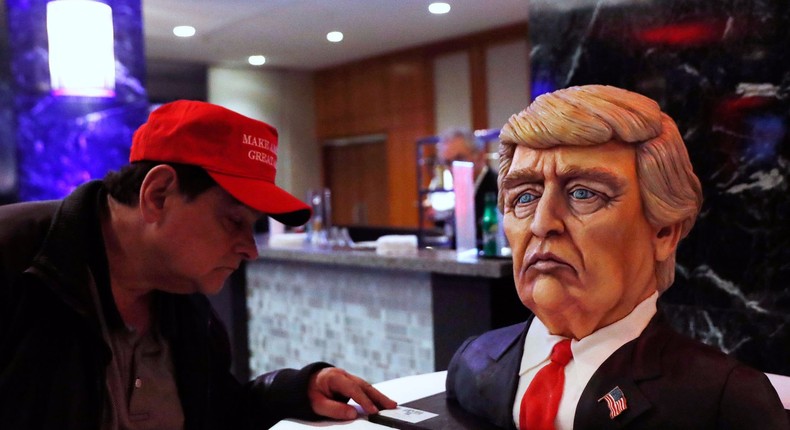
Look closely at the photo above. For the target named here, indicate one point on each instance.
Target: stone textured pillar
(63, 141)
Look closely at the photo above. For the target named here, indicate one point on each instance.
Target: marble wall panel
(720, 69)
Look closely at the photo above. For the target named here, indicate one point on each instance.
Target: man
(104, 323)
(597, 189)
(458, 144)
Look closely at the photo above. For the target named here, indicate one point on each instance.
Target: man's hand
(329, 383)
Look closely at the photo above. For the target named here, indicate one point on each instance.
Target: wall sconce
(81, 48)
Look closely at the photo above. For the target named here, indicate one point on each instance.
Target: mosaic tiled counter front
(375, 316)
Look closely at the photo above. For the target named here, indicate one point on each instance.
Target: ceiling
(292, 33)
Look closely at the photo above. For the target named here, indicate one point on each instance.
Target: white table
(781, 384)
(401, 390)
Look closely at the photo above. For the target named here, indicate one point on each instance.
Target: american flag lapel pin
(615, 400)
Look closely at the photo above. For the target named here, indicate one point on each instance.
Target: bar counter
(380, 317)
(439, 261)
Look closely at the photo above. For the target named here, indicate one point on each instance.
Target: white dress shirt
(588, 354)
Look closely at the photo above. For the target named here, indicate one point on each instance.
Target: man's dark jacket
(53, 358)
(669, 382)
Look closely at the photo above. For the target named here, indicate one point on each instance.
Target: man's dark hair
(124, 185)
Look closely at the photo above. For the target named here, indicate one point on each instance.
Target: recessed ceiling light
(334, 36)
(184, 31)
(256, 60)
(439, 8)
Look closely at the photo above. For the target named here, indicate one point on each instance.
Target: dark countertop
(424, 260)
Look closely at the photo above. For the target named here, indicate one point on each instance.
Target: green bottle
(490, 226)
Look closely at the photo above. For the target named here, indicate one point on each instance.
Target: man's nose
(247, 247)
(548, 218)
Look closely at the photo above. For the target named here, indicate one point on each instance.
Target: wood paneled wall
(393, 94)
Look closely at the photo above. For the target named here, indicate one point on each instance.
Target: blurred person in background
(461, 144)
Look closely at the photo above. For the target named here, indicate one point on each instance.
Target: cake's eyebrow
(520, 176)
(595, 174)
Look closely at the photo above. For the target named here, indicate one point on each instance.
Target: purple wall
(62, 142)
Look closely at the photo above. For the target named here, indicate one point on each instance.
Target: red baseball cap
(238, 152)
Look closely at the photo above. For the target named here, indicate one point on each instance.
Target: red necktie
(542, 399)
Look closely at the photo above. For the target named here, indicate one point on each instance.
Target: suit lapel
(634, 362)
(592, 412)
(500, 378)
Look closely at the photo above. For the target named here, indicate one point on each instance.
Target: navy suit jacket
(669, 382)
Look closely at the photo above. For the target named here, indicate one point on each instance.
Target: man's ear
(665, 241)
(160, 184)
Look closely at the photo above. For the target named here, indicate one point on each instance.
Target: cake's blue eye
(582, 194)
